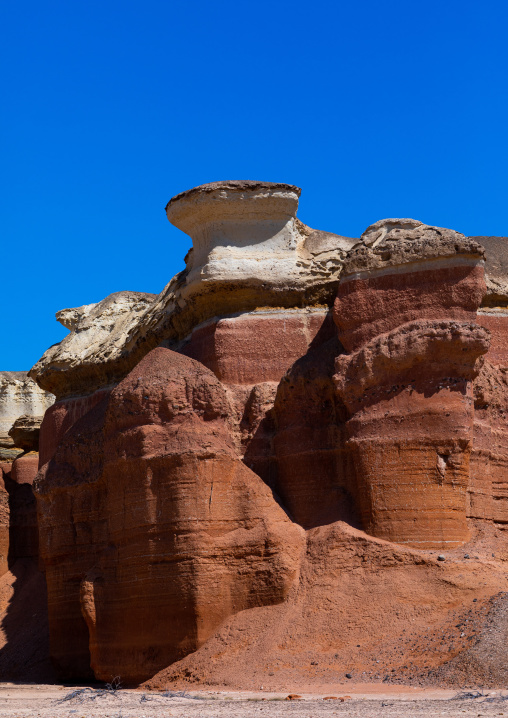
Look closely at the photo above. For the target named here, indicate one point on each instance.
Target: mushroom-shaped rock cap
(232, 200)
(237, 185)
(393, 242)
(241, 231)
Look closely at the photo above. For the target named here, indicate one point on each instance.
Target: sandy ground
(359, 701)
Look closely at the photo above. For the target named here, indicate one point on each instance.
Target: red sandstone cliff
(272, 494)
(153, 530)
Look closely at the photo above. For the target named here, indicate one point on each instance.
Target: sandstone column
(406, 313)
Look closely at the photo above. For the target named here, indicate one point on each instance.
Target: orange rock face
(406, 381)
(4, 519)
(153, 529)
(24, 468)
(276, 463)
(314, 476)
(256, 347)
(19, 536)
(60, 417)
(488, 486)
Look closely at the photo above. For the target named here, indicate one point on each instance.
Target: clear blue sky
(376, 109)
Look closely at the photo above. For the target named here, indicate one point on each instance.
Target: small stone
(466, 555)
(348, 675)
(441, 557)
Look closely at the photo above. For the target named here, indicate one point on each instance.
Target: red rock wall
(5, 470)
(313, 476)
(406, 384)
(24, 468)
(498, 328)
(371, 306)
(152, 530)
(257, 347)
(488, 488)
(19, 536)
(60, 417)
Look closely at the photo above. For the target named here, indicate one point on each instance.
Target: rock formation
(406, 310)
(153, 530)
(22, 404)
(252, 226)
(273, 450)
(18, 395)
(25, 432)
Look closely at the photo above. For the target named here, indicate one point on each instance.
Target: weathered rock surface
(228, 475)
(496, 270)
(488, 485)
(247, 232)
(256, 347)
(19, 537)
(18, 395)
(146, 491)
(25, 432)
(249, 252)
(405, 311)
(24, 635)
(89, 355)
(382, 612)
(4, 519)
(313, 475)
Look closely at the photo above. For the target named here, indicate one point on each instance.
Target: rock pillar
(406, 314)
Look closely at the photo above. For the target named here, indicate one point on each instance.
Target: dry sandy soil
(360, 701)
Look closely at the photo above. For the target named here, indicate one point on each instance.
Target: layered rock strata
(406, 310)
(202, 435)
(313, 473)
(488, 485)
(249, 252)
(19, 533)
(496, 272)
(25, 432)
(19, 395)
(21, 401)
(152, 529)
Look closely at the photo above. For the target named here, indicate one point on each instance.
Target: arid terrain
(43, 701)
(287, 473)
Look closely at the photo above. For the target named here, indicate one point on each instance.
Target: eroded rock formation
(406, 310)
(249, 252)
(294, 427)
(153, 529)
(18, 395)
(22, 404)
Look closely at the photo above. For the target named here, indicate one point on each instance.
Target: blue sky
(375, 109)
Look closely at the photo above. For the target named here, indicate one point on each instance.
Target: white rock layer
(20, 395)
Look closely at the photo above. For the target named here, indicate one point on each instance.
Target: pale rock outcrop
(25, 432)
(177, 488)
(89, 355)
(250, 252)
(247, 233)
(18, 395)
